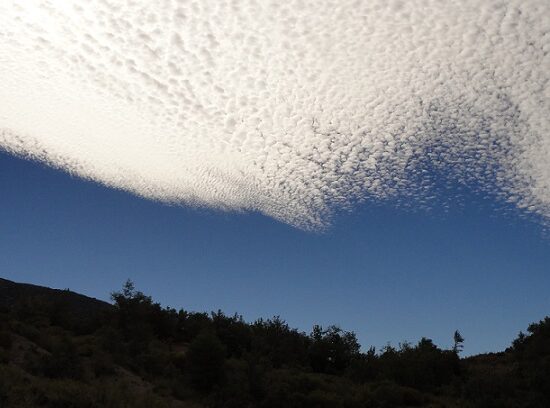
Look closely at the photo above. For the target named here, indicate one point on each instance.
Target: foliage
(137, 353)
(205, 360)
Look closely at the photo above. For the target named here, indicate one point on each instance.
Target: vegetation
(135, 353)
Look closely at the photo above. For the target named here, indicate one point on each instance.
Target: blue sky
(387, 273)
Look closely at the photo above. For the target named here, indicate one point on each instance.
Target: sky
(359, 162)
(387, 273)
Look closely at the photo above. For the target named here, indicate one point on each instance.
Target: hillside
(11, 293)
(62, 349)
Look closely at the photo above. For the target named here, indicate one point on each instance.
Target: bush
(205, 361)
(62, 362)
(5, 339)
(389, 395)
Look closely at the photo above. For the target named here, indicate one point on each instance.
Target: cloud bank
(295, 109)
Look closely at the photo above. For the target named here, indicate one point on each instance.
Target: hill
(12, 293)
(62, 349)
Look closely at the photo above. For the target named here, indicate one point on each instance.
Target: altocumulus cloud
(291, 108)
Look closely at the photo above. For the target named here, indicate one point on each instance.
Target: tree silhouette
(205, 361)
(458, 342)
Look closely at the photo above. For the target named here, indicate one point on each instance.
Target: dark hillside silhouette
(62, 349)
(11, 293)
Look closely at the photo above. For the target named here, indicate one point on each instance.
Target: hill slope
(11, 293)
(62, 349)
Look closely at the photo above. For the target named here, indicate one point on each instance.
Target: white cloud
(291, 108)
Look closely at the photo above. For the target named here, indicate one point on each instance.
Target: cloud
(294, 109)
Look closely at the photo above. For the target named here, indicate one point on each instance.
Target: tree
(205, 361)
(458, 342)
(332, 349)
(128, 294)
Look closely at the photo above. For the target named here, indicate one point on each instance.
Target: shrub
(205, 361)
